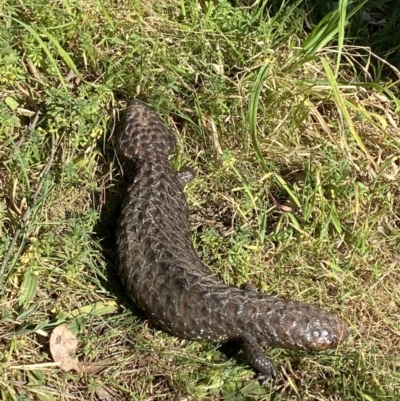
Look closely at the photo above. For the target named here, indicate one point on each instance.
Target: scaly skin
(164, 276)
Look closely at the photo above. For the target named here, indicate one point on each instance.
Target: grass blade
(66, 57)
(343, 110)
(253, 107)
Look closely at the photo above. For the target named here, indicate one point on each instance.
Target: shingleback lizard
(165, 277)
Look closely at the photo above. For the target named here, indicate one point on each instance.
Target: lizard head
(294, 325)
(303, 326)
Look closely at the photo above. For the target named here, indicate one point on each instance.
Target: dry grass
(296, 191)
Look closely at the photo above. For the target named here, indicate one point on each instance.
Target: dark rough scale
(165, 277)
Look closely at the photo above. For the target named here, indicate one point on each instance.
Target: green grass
(294, 137)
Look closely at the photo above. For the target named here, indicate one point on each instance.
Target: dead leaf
(63, 344)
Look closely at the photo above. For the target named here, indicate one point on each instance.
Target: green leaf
(28, 288)
(32, 328)
(26, 313)
(11, 103)
(96, 309)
